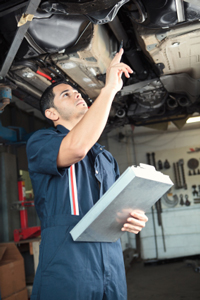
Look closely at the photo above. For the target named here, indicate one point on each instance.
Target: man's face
(68, 102)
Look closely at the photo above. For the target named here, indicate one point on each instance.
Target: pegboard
(174, 156)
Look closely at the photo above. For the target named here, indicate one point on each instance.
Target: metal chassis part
(31, 9)
(179, 83)
(133, 88)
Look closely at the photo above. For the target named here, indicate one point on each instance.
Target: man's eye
(66, 94)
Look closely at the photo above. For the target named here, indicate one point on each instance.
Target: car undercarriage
(45, 41)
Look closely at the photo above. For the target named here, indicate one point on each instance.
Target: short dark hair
(47, 98)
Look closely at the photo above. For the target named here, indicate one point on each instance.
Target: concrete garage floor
(168, 281)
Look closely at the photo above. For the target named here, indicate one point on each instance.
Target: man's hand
(115, 71)
(135, 222)
(82, 135)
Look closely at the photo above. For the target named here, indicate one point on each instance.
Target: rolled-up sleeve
(42, 151)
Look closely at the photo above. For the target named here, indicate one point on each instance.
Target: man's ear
(51, 114)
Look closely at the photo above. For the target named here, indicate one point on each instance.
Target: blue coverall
(71, 270)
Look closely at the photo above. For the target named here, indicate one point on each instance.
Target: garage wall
(181, 223)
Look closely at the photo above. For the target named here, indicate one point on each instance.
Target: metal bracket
(31, 9)
(151, 47)
(134, 88)
(161, 36)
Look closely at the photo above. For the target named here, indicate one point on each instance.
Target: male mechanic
(69, 173)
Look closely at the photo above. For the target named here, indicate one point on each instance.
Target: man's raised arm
(85, 134)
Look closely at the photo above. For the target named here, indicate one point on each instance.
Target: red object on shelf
(24, 232)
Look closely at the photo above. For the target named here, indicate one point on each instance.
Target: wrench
(181, 163)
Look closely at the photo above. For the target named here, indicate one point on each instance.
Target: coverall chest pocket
(109, 175)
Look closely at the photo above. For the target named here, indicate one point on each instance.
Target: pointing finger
(117, 57)
(123, 68)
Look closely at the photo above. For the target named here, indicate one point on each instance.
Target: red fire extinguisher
(22, 198)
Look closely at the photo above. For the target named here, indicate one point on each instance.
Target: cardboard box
(12, 273)
(22, 295)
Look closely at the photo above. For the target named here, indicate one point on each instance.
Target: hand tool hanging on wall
(176, 179)
(160, 165)
(178, 176)
(166, 164)
(181, 200)
(195, 192)
(159, 208)
(170, 203)
(187, 202)
(152, 212)
(153, 159)
(181, 163)
(193, 163)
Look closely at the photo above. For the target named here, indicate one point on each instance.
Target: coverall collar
(62, 129)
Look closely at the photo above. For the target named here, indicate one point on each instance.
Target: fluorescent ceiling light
(193, 119)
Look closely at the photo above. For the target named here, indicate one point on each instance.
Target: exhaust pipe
(172, 103)
(183, 101)
(120, 113)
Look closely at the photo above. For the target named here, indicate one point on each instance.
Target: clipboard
(138, 188)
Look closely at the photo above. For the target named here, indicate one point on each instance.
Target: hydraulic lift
(17, 136)
(24, 232)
